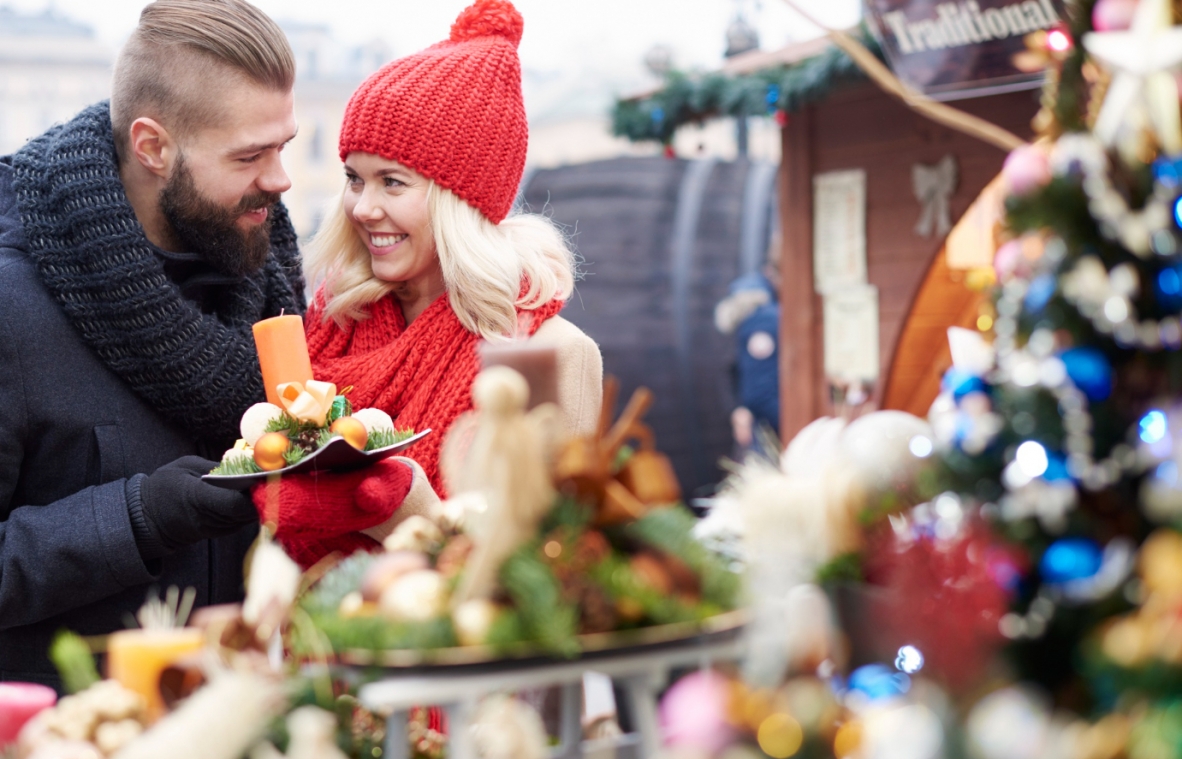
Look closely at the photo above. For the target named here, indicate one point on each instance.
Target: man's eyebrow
(259, 147)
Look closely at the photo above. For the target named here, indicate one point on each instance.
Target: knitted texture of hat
(453, 112)
(200, 371)
(421, 374)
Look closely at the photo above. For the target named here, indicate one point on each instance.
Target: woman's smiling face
(387, 205)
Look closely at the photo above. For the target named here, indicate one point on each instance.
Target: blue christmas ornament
(1168, 171)
(1070, 559)
(657, 115)
(773, 96)
(1089, 369)
(878, 681)
(1040, 292)
(1168, 288)
(1056, 468)
(960, 383)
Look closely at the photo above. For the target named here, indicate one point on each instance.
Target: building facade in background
(50, 68)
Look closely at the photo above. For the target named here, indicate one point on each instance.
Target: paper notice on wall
(839, 229)
(851, 333)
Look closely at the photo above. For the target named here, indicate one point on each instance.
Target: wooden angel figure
(505, 455)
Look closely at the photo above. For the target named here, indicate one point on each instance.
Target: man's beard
(210, 230)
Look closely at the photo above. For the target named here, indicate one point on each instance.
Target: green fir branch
(671, 530)
(74, 661)
(547, 619)
(235, 466)
(694, 98)
(384, 438)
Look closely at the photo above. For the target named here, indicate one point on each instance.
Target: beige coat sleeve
(580, 373)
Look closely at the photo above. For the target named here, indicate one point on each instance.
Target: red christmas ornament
(669, 153)
(944, 599)
(781, 118)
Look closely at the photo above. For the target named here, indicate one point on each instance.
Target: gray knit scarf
(200, 371)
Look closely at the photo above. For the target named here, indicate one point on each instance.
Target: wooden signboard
(959, 49)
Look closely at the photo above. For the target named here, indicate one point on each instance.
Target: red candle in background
(283, 353)
(20, 702)
(537, 363)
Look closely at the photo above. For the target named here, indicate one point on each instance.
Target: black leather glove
(172, 507)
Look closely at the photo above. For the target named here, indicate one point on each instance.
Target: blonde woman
(421, 262)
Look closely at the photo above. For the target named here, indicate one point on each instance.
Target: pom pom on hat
(453, 112)
(488, 18)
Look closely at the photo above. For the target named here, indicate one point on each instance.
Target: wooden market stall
(858, 127)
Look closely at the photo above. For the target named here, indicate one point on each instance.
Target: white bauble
(473, 619)
(415, 597)
(880, 449)
(374, 419)
(237, 453)
(254, 422)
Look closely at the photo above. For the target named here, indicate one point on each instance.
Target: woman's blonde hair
(484, 264)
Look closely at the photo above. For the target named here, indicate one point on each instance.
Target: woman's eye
(392, 182)
(352, 179)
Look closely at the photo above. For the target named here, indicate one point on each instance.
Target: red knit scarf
(421, 375)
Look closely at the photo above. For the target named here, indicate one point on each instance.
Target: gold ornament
(352, 430)
(269, 450)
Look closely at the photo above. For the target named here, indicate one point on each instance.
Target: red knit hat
(452, 112)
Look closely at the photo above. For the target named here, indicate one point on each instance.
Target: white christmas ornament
(415, 597)
(255, 420)
(374, 419)
(1143, 87)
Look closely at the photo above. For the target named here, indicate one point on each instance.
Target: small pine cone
(597, 613)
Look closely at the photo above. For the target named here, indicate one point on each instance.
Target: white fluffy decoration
(220, 721)
(255, 420)
(374, 419)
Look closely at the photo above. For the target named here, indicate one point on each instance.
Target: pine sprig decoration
(383, 438)
(74, 662)
(236, 465)
(671, 530)
(694, 98)
(535, 592)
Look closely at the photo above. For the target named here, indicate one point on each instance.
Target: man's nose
(274, 178)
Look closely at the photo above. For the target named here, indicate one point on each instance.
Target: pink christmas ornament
(1113, 15)
(693, 713)
(1007, 259)
(19, 703)
(1026, 169)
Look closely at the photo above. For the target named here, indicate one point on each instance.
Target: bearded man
(138, 244)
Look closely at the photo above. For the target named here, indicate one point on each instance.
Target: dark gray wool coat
(115, 359)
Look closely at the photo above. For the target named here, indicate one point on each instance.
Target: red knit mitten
(320, 508)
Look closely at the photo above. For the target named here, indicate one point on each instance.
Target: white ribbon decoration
(934, 186)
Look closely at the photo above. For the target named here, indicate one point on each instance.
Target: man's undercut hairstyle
(183, 52)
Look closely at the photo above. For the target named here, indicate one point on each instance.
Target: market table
(638, 672)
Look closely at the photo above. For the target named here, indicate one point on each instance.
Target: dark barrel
(661, 240)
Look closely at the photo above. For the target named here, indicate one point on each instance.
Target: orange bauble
(352, 430)
(269, 450)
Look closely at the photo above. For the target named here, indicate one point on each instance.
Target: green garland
(694, 98)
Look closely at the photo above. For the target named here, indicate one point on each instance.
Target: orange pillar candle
(137, 657)
(283, 353)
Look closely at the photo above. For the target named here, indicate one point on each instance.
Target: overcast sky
(577, 54)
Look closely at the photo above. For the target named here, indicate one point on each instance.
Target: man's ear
(152, 146)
